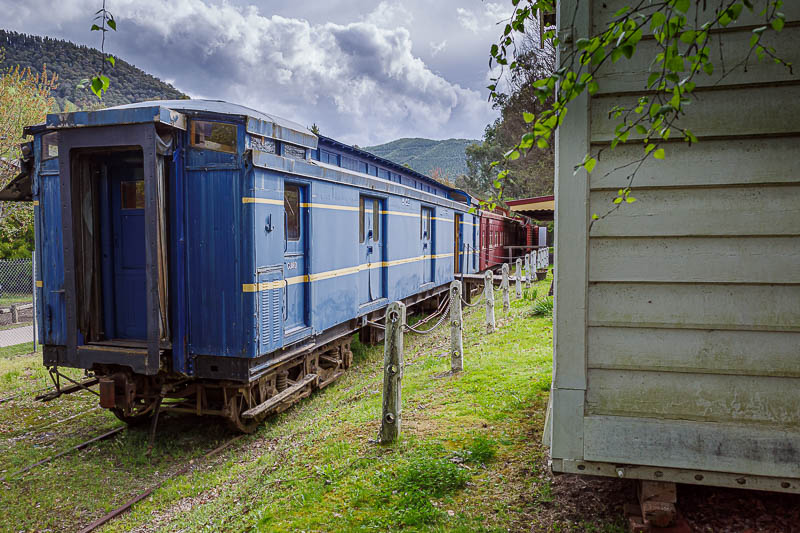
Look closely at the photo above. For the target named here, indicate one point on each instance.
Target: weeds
(543, 307)
(482, 450)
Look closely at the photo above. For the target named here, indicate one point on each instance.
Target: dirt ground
(706, 509)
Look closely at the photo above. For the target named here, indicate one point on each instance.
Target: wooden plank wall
(693, 292)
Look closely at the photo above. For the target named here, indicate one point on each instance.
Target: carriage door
(426, 235)
(294, 259)
(124, 253)
(370, 236)
(457, 243)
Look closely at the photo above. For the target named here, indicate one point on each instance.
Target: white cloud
(468, 19)
(390, 14)
(360, 81)
(482, 21)
(437, 48)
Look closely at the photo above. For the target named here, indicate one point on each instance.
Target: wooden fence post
(528, 271)
(518, 278)
(504, 285)
(456, 328)
(488, 291)
(392, 371)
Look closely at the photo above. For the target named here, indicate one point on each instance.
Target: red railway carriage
(497, 232)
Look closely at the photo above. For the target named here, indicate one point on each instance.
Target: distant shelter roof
(538, 207)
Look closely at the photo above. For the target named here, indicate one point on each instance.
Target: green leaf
(512, 155)
(688, 36)
(529, 117)
(618, 200)
(590, 164)
(97, 86)
(630, 199)
(593, 87)
(659, 154)
(111, 60)
(777, 24)
(112, 24)
(657, 20)
(682, 5)
(595, 217)
(527, 140)
(95, 27)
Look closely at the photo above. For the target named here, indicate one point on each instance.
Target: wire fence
(17, 309)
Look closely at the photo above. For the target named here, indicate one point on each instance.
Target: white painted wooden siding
(678, 337)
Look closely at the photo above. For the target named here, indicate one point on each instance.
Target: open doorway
(108, 192)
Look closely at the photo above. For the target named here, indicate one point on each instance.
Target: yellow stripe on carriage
(329, 206)
(39, 283)
(319, 276)
(254, 200)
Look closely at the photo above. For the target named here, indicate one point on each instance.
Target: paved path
(10, 337)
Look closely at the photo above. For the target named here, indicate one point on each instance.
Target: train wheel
(141, 413)
(236, 406)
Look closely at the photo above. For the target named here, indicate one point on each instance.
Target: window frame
(298, 215)
(224, 148)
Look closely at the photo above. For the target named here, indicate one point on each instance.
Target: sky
(366, 72)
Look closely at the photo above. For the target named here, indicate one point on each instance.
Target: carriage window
(291, 204)
(215, 136)
(49, 146)
(132, 194)
(425, 223)
(376, 220)
(361, 219)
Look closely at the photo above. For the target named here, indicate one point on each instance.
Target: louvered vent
(270, 314)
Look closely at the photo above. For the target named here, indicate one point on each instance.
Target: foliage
(482, 450)
(99, 83)
(426, 155)
(543, 307)
(24, 99)
(681, 30)
(71, 63)
(532, 173)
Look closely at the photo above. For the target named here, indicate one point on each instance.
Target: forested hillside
(427, 155)
(73, 63)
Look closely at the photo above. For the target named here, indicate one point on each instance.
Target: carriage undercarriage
(135, 398)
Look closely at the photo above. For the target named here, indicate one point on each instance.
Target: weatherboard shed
(677, 317)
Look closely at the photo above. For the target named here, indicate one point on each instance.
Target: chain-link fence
(17, 313)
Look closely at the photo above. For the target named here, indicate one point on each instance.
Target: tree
(532, 173)
(24, 100)
(681, 29)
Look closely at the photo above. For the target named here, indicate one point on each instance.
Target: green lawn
(7, 299)
(469, 458)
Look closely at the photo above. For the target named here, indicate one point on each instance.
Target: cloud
(389, 14)
(437, 48)
(488, 19)
(359, 81)
(468, 19)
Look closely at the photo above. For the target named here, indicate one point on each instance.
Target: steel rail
(65, 452)
(130, 503)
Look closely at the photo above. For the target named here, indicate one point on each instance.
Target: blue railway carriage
(218, 259)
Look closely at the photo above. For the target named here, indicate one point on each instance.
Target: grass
(468, 459)
(7, 299)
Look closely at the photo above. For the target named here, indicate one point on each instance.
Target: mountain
(73, 63)
(426, 155)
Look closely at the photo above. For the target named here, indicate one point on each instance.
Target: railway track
(108, 517)
(84, 444)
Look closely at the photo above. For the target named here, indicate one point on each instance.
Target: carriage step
(279, 398)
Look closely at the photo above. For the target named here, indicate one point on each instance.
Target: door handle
(424, 244)
(369, 249)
